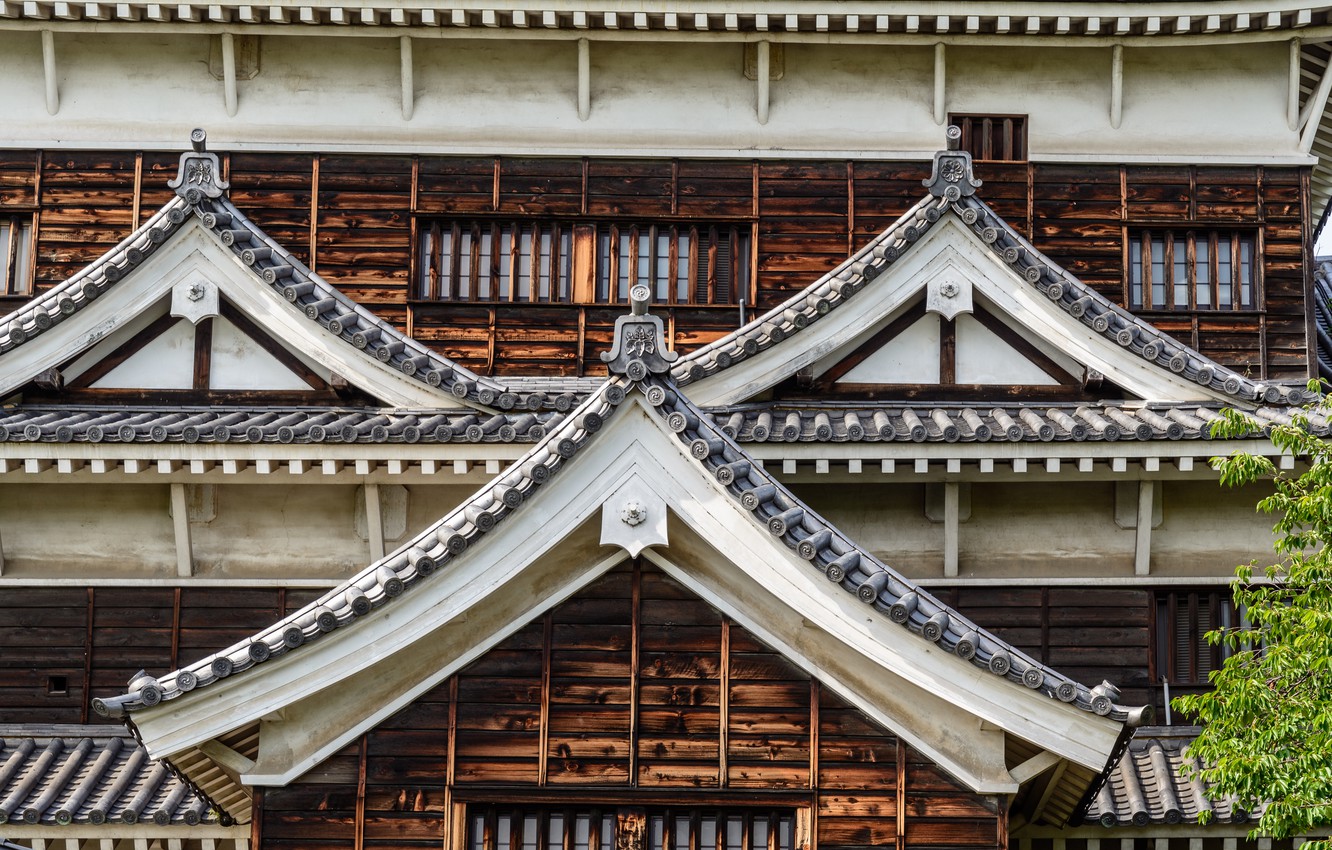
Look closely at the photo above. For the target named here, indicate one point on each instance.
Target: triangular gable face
(922, 353)
(280, 328)
(994, 319)
(645, 689)
(219, 356)
(636, 470)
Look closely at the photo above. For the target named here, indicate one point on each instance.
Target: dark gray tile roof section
(769, 503)
(748, 424)
(1147, 786)
(63, 775)
(275, 267)
(1080, 301)
(268, 425)
(981, 424)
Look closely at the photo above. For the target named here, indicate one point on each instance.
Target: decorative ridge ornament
(639, 349)
(200, 174)
(952, 177)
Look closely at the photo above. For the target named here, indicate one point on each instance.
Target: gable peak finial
(199, 175)
(639, 348)
(952, 177)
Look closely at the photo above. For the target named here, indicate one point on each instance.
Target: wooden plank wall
(97, 638)
(1090, 634)
(634, 692)
(354, 217)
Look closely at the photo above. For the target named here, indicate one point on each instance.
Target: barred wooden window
(997, 138)
(503, 827)
(16, 255)
(1192, 270)
(568, 262)
(1183, 618)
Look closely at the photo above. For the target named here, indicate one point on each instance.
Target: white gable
(165, 363)
(194, 255)
(313, 700)
(240, 363)
(911, 357)
(949, 251)
(984, 358)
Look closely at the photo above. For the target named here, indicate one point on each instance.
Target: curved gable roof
(456, 588)
(952, 196)
(432, 379)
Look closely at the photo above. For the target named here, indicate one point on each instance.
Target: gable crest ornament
(639, 348)
(200, 174)
(952, 177)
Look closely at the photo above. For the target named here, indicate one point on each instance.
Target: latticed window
(567, 262)
(502, 827)
(996, 138)
(16, 255)
(1183, 618)
(1192, 270)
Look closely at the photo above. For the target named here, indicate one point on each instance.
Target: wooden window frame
(1013, 136)
(1139, 280)
(17, 251)
(1173, 610)
(654, 826)
(589, 262)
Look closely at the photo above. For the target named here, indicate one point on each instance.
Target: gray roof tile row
(90, 775)
(749, 424)
(1148, 787)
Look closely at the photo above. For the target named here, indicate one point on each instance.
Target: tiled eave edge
(256, 444)
(1081, 302)
(1067, 23)
(72, 779)
(774, 507)
(755, 423)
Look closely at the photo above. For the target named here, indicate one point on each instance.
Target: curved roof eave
(1078, 301)
(200, 192)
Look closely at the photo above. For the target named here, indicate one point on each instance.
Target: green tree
(1267, 723)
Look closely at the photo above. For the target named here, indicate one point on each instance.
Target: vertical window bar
(1135, 272)
(1209, 289)
(1247, 259)
(1159, 271)
(427, 288)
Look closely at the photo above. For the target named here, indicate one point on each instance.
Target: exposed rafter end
(1312, 113)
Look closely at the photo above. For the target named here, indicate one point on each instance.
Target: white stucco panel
(911, 357)
(984, 358)
(239, 363)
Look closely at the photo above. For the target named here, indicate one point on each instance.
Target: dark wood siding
(1089, 634)
(97, 638)
(352, 218)
(632, 693)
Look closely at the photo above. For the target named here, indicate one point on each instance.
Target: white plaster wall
(503, 96)
(1057, 529)
(1208, 531)
(86, 531)
(265, 531)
